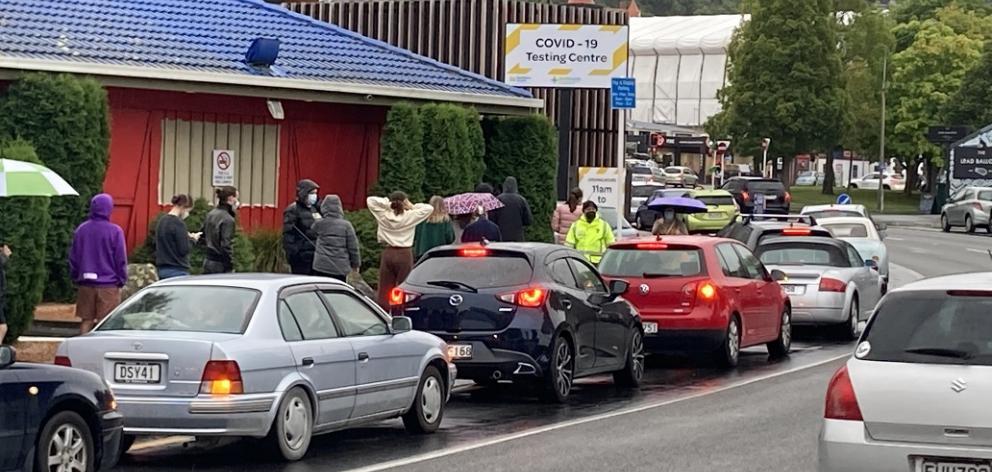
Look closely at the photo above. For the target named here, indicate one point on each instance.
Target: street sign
(565, 56)
(696, 144)
(223, 164)
(946, 134)
(602, 186)
(623, 95)
(972, 163)
(844, 199)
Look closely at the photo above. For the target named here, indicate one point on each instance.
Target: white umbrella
(25, 179)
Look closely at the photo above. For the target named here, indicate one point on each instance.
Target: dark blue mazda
(524, 312)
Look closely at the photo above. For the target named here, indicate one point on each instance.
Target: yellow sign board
(565, 56)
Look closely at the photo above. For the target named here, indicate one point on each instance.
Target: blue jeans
(170, 272)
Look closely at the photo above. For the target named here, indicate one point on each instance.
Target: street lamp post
(881, 148)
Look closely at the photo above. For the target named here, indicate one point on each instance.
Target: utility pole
(881, 149)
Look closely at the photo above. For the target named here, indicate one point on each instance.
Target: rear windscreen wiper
(453, 285)
(941, 352)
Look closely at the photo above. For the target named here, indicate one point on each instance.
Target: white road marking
(912, 273)
(568, 424)
(890, 238)
(980, 251)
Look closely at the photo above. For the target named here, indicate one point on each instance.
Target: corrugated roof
(208, 39)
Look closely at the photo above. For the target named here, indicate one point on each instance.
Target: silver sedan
(914, 397)
(828, 281)
(263, 355)
(969, 208)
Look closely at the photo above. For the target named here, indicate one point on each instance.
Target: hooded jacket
(337, 245)
(297, 223)
(515, 214)
(98, 256)
(218, 236)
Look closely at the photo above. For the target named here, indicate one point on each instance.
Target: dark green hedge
(454, 161)
(401, 161)
(366, 230)
(65, 117)
(526, 147)
(24, 225)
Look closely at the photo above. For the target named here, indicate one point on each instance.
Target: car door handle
(363, 356)
(307, 361)
(566, 304)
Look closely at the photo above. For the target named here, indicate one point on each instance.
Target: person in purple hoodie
(98, 263)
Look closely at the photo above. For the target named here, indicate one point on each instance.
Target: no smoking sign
(223, 174)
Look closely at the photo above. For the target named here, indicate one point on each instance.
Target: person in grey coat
(337, 245)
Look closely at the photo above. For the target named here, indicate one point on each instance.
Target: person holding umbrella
(465, 209)
(436, 231)
(669, 225)
(590, 235)
(670, 207)
(398, 220)
(482, 229)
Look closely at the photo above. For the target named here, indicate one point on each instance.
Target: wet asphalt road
(763, 416)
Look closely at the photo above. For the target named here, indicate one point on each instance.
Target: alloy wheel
(786, 330)
(563, 369)
(637, 355)
(67, 450)
(733, 339)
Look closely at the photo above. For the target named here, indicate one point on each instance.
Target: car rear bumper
(845, 446)
(708, 225)
(817, 316)
(684, 340)
(487, 360)
(241, 415)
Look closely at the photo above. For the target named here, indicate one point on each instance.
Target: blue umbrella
(679, 204)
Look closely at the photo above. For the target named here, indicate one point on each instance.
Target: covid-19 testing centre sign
(565, 56)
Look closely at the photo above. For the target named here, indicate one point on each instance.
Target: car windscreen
(932, 327)
(199, 308)
(802, 253)
(769, 187)
(641, 170)
(673, 170)
(717, 200)
(632, 262)
(847, 230)
(642, 191)
(833, 214)
(490, 271)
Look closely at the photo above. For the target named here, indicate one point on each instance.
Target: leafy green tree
(65, 117)
(448, 152)
(401, 164)
(784, 79)
(970, 106)
(24, 224)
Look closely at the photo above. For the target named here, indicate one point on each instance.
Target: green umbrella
(24, 179)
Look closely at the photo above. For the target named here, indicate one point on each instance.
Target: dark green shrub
(526, 147)
(401, 161)
(269, 253)
(476, 165)
(65, 117)
(24, 225)
(368, 240)
(447, 150)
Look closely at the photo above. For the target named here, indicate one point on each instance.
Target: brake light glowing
(651, 246)
(398, 296)
(842, 403)
(832, 285)
(707, 291)
(746, 196)
(63, 361)
(221, 378)
(474, 252)
(788, 197)
(530, 298)
(704, 291)
(796, 232)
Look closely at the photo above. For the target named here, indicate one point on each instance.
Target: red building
(182, 86)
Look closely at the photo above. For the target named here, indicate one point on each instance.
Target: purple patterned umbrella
(466, 203)
(679, 204)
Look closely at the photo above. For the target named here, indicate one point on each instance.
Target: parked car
(640, 194)
(862, 234)
(828, 281)
(641, 175)
(751, 231)
(913, 397)
(744, 190)
(810, 178)
(526, 312)
(626, 231)
(721, 210)
(55, 418)
(645, 217)
(890, 181)
(678, 176)
(263, 355)
(702, 295)
(969, 208)
(835, 211)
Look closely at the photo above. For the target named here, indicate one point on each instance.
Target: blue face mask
(312, 199)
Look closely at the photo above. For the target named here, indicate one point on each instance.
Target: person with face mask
(590, 234)
(298, 238)
(669, 224)
(172, 239)
(218, 232)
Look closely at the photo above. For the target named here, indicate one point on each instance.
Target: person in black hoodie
(515, 214)
(298, 238)
(218, 233)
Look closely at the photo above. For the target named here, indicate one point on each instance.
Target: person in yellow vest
(590, 234)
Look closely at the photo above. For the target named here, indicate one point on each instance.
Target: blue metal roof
(212, 36)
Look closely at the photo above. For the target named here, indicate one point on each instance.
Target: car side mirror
(870, 263)
(402, 324)
(618, 287)
(7, 356)
(779, 276)
(882, 226)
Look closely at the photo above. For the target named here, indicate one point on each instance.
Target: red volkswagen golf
(702, 295)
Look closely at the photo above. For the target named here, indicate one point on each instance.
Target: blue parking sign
(623, 93)
(844, 199)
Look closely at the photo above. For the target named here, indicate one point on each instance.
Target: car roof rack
(807, 219)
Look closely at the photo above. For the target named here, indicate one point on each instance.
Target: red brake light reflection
(796, 232)
(398, 296)
(474, 252)
(651, 246)
(707, 291)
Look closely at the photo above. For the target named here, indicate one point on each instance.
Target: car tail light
(63, 361)
(533, 297)
(788, 197)
(651, 246)
(693, 291)
(832, 285)
(842, 403)
(796, 232)
(707, 291)
(398, 296)
(221, 378)
(474, 252)
(746, 196)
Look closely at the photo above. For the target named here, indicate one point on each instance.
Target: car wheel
(65, 444)
(728, 355)
(424, 417)
(293, 427)
(854, 186)
(639, 223)
(945, 224)
(561, 372)
(887, 187)
(780, 347)
(969, 225)
(633, 369)
(850, 327)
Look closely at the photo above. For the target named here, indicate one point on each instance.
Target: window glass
(562, 273)
(848, 230)
(856, 260)
(751, 264)
(985, 195)
(717, 200)
(586, 277)
(202, 308)
(802, 253)
(741, 233)
(969, 195)
(290, 330)
(311, 316)
(675, 262)
(491, 271)
(730, 262)
(354, 316)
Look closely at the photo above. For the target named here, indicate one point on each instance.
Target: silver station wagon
(263, 355)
